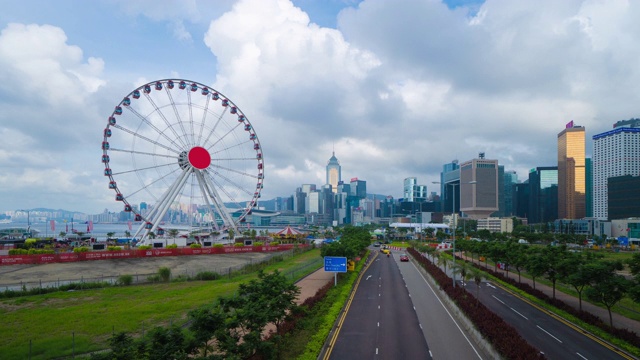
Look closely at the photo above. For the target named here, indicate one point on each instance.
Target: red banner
(128, 254)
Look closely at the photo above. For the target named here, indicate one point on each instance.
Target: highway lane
(381, 322)
(555, 338)
(446, 338)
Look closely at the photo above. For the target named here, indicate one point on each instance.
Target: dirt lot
(100, 269)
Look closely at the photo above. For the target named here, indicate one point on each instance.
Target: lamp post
(28, 222)
(453, 221)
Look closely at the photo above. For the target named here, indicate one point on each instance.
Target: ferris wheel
(176, 151)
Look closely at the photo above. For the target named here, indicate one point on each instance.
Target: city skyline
(374, 81)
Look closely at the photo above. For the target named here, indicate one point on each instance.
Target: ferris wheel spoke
(148, 186)
(217, 185)
(204, 117)
(160, 132)
(212, 185)
(223, 136)
(177, 114)
(141, 169)
(230, 182)
(193, 140)
(244, 143)
(215, 126)
(143, 153)
(135, 134)
(212, 199)
(213, 167)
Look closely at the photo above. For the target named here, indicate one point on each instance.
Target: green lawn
(54, 324)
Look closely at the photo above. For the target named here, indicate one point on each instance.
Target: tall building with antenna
(334, 172)
(571, 172)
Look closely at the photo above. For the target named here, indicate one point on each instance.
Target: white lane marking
(430, 354)
(420, 326)
(378, 307)
(368, 277)
(378, 324)
(549, 334)
(376, 351)
(491, 286)
(447, 310)
(498, 299)
(582, 356)
(514, 310)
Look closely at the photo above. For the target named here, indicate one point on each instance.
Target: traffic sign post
(335, 264)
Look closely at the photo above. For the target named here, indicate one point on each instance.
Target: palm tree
(443, 261)
(110, 235)
(462, 268)
(173, 233)
(477, 276)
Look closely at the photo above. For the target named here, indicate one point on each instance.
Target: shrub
(238, 245)
(173, 246)
(275, 243)
(80, 249)
(144, 247)
(259, 243)
(114, 248)
(125, 280)
(154, 278)
(218, 246)
(195, 246)
(164, 273)
(207, 275)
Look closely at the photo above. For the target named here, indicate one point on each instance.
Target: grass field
(67, 323)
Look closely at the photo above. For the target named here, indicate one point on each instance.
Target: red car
(404, 257)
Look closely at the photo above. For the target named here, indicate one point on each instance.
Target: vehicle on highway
(376, 244)
(404, 257)
(385, 251)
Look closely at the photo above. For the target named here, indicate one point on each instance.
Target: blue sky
(397, 88)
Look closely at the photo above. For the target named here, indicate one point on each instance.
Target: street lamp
(28, 222)
(453, 220)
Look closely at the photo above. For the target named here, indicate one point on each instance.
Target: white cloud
(397, 89)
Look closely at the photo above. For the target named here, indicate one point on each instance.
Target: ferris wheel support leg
(203, 186)
(165, 202)
(153, 215)
(213, 194)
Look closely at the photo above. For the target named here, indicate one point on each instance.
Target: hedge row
(505, 339)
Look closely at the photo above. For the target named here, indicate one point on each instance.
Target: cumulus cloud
(396, 89)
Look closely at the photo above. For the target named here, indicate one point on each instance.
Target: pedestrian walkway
(619, 321)
(310, 284)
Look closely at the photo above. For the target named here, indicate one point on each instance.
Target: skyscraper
(414, 192)
(334, 172)
(543, 195)
(479, 187)
(571, 172)
(615, 153)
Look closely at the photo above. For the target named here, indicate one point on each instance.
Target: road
(381, 321)
(554, 337)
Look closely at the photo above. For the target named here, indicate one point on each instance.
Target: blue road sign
(335, 264)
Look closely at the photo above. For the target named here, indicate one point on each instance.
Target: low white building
(497, 225)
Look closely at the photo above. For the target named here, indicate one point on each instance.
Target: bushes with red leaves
(504, 338)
